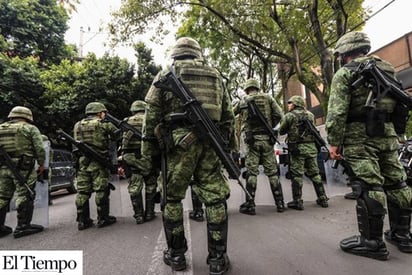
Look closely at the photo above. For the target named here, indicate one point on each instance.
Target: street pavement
(294, 242)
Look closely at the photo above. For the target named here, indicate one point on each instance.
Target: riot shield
(336, 179)
(115, 188)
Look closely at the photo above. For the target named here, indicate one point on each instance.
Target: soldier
(369, 147)
(302, 153)
(190, 155)
(92, 176)
(259, 144)
(23, 142)
(141, 172)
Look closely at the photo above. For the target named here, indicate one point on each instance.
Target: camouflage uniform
(259, 146)
(191, 156)
(376, 170)
(302, 154)
(141, 172)
(24, 144)
(92, 176)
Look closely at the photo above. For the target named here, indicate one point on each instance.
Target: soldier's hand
(334, 153)
(40, 170)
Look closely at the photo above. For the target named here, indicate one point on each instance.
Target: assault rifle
(88, 151)
(196, 115)
(123, 125)
(255, 112)
(319, 141)
(6, 160)
(382, 83)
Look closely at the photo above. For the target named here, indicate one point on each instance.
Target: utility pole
(81, 42)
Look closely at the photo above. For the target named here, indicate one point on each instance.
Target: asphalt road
(293, 242)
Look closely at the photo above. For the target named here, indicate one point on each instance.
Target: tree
(295, 34)
(33, 28)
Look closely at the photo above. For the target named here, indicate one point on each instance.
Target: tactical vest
(8, 136)
(88, 131)
(129, 140)
(13, 142)
(374, 118)
(263, 104)
(299, 133)
(205, 83)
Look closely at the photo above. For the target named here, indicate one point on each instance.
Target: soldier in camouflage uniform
(259, 144)
(92, 176)
(24, 143)
(372, 155)
(302, 153)
(190, 155)
(141, 172)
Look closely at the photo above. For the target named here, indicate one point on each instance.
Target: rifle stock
(196, 115)
(6, 160)
(88, 151)
(382, 83)
(255, 112)
(123, 125)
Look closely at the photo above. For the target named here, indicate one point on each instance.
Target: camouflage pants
(91, 177)
(305, 160)
(142, 175)
(375, 162)
(9, 185)
(261, 153)
(211, 186)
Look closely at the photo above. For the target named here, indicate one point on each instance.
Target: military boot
(4, 230)
(322, 199)
(369, 243)
(217, 259)
(297, 202)
(103, 217)
(278, 197)
(137, 203)
(400, 225)
(24, 217)
(174, 255)
(83, 217)
(197, 213)
(150, 206)
(249, 207)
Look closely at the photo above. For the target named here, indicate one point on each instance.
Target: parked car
(63, 172)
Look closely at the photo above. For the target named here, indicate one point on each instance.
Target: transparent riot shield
(115, 188)
(336, 179)
(41, 203)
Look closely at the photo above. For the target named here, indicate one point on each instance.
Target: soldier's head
(95, 108)
(251, 85)
(186, 48)
(296, 101)
(138, 106)
(21, 112)
(351, 45)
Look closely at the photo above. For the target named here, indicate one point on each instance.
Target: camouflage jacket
(25, 140)
(268, 107)
(347, 103)
(208, 90)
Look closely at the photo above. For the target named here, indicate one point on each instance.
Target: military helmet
(21, 112)
(251, 82)
(138, 106)
(352, 41)
(297, 100)
(186, 46)
(95, 107)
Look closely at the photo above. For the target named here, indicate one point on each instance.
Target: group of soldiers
(173, 145)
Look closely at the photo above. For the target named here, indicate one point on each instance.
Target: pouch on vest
(399, 118)
(26, 163)
(375, 122)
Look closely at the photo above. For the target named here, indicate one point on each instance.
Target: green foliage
(33, 28)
